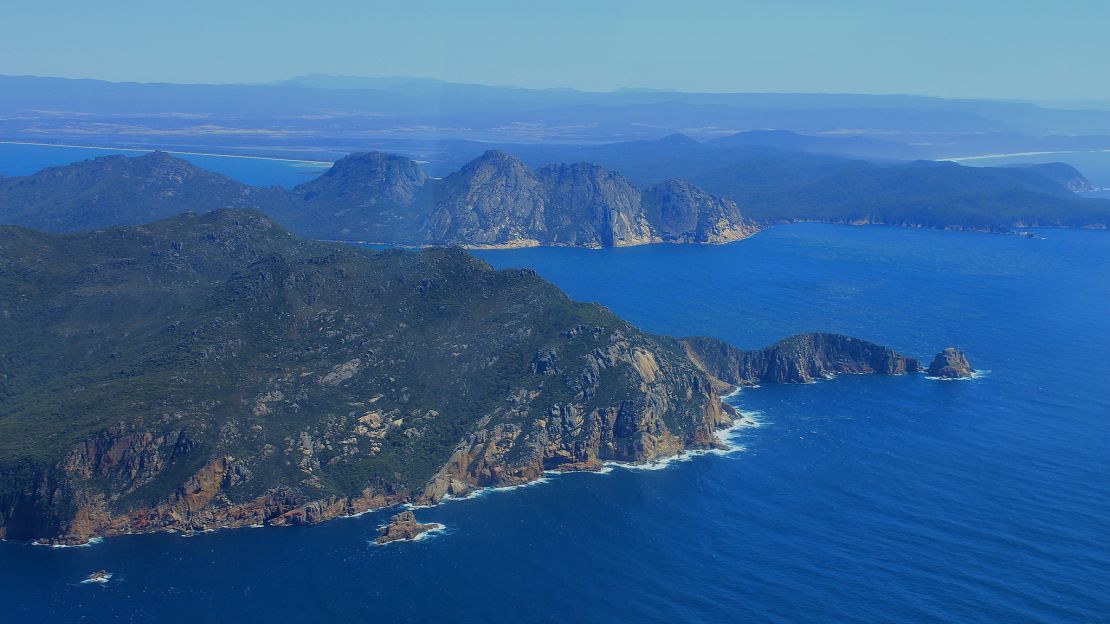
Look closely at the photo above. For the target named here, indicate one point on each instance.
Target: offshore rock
(404, 526)
(950, 364)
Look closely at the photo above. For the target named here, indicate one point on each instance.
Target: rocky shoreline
(191, 510)
(271, 512)
(277, 381)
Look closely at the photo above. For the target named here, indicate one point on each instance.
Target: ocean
(857, 499)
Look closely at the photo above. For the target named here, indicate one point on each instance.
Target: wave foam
(100, 579)
(979, 374)
(93, 541)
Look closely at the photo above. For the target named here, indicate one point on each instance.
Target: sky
(1018, 49)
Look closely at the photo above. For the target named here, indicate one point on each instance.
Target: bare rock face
(403, 526)
(683, 213)
(593, 206)
(951, 364)
(493, 200)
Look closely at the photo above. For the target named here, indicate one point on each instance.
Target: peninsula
(216, 370)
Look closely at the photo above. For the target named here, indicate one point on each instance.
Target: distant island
(215, 370)
(496, 200)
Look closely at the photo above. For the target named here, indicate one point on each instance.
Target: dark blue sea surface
(18, 159)
(859, 499)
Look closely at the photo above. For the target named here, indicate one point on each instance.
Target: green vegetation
(130, 357)
(496, 199)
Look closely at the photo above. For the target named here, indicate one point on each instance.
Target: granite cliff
(498, 201)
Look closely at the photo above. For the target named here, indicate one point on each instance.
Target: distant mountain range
(327, 114)
(676, 190)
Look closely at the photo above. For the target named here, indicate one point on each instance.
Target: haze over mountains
(331, 115)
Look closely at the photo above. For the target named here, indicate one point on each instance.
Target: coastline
(743, 420)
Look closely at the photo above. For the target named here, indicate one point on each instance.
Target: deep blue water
(860, 499)
(17, 159)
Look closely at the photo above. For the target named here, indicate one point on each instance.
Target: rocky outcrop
(677, 409)
(683, 213)
(493, 200)
(799, 359)
(950, 364)
(404, 526)
(497, 201)
(100, 576)
(591, 206)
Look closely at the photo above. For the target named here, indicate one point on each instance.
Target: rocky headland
(216, 371)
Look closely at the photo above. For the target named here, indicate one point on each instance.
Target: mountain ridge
(497, 200)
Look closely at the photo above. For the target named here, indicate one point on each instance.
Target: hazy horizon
(1046, 53)
(1076, 103)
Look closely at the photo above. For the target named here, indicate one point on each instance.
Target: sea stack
(950, 364)
(404, 526)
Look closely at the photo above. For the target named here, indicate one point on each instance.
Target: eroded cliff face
(677, 409)
(498, 201)
(683, 213)
(662, 405)
(493, 200)
(592, 206)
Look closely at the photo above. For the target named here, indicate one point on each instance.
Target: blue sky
(974, 48)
